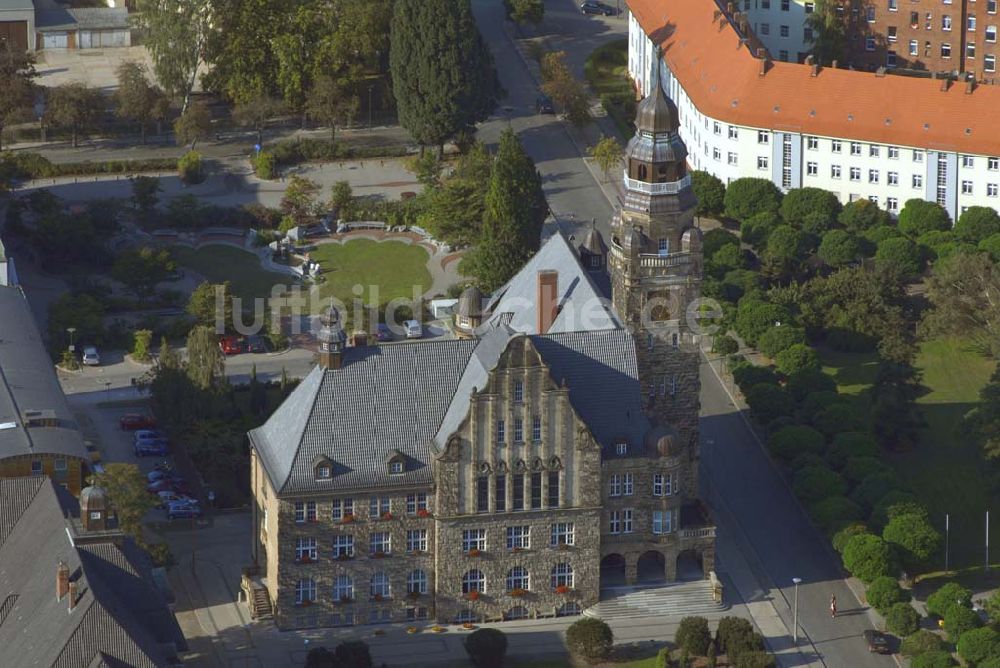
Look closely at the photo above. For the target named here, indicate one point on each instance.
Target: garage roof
(16, 5)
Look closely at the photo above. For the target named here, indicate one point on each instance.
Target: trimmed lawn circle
(218, 263)
(386, 270)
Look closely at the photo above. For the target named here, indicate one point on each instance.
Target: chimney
(359, 339)
(62, 580)
(762, 55)
(72, 596)
(730, 7)
(331, 339)
(547, 301)
(970, 83)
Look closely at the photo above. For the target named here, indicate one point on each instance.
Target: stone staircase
(673, 600)
(253, 591)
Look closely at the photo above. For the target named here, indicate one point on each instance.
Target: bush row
(295, 151)
(24, 165)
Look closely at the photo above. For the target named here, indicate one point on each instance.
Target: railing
(655, 261)
(670, 188)
(699, 532)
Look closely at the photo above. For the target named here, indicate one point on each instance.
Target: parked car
(151, 449)
(230, 345)
(146, 434)
(593, 7)
(543, 105)
(413, 329)
(878, 642)
(171, 496)
(178, 510)
(256, 344)
(383, 333)
(91, 357)
(133, 421)
(158, 474)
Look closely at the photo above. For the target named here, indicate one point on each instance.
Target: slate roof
(82, 18)
(583, 306)
(120, 619)
(28, 382)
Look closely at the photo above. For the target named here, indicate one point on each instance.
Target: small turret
(331, 339)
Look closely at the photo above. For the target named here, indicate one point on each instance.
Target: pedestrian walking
(833, 605)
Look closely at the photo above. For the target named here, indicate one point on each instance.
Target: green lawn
(386, 270)
(218, 263)
(946, 470)
(606, 71)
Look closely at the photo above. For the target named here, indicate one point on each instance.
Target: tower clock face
(661, 305)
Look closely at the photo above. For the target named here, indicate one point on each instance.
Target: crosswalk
(674, 600)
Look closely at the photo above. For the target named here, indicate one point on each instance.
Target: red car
(134, 421)
(230, 345)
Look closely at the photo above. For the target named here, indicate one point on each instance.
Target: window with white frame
(378, 506)
(812, 143)
(918, 156)
(966, 187)
(765, 28)
(615, 487)
(305, 591)
(873, 151)
(891, 33)
(893, 5)
(416, 540)
(784, 31)
(855, 148)
(536, 429)
(343, 545)
(501, 433)
(812, 168)
(627, 484)
(416, 502)
(716, 128)
(763, 137)
(968, 162)
(836, 146)
(855, 173)
(615, 522)
(761, 162)
(621, 449)
(970, 50)
(627, 520)
(834, 171)
(379, 542)
(342, 508)
(945, 50)
(891, 204)
(893, 152)
(343, 588)
(562, 533)
(970, 22)
(917, 181)
(518, 537)
(734, 132)
(914, 47)
(873, 199)
(518, 430)
(731, 158)
(990, 63)
(661, 521)
(991, 189)
(36, 469)
(991, 6)
(716, 154)
(305, 511)
(305, 549)
(993, 164)
(519, 390)
(473, 539)
(562, 576)
(991, 34)
(380, 585)
(473, 581)
(809, 7)
(869, 43)
(416, 582)
(892, 178)
(518, 578)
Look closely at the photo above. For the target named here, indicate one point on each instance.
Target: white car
(413, 329)
(91, 356)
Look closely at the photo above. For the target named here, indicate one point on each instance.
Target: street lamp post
(72, 331)
(795, 612)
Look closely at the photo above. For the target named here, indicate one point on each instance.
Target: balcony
(656, 261)
(670, 188)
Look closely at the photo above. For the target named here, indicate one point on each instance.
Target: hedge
(920, 642)
(693, 636)
(933, 659)
(22, 165)
(295, 151)
(590, 639)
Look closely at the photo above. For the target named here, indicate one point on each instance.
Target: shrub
(663, 658)
(797, 357)
(486, 647)
(837, 418)
(845, 534)
(747, 197)
(948, 596)
(811, 381)
(590, 639)
(754, 317)
(839, 248)
(850, 444)
(977, 645)
(756, 658)
(812, 210)
(833, 511)
(902, 619)
(859, 468)
(815, 483)
(734, 633)
(883, 592)
(890, 505)
(789, 442)
(913, 537)
(933, 659)
(899, 254)
(919, 216)
(710, 191)
(873, 489)
(693, 636)
(747, 375)
(353, 654)
(768, 402)
(263, 165)
(919, 642)
(958, 620)
(725, 345)
(190, 169)
(991, 245)
(868, 557)
(141, 339)
(756, 230)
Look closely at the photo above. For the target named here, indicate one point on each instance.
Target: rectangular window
(835, 171)
(892, 178)
(855, 148)
(761, 162)
(474, 539)
(518, 491)
(518, 390)
(716, 154)
(918, 156)
(482, 494)
(809, 6)
(658, 481)
(501, 435)
(872, 176)
(970, 50)
(305, 591)
(416, 540)
(991, 6)
(342, 508)
(716, 128)
(991, 189)
(812, 169)
(763, 137)
(918, 181)
(784, 5)
(658, 521)
(627, 484)
(416, 502)
(731, 158)
(378, 506)
(519, 537)
(945, 50)
(305, 511)
(870, 14)
(812, 143)
(873, 151)
(305, 549)
(416, 614)
(968, 162)
(765, 28)
(894, 153)
(993, 164)
(518, 430)
(734, 132)
(621, 449)
(855, 173)
(784, 31)
(562, 534)
(836, 146)
(615, 523)
(379, 542)
(36, 467)
(616, 485)
(536, 429)
(536, 491)
(783, 55)
(990, 63)
(966, 187)
(869, 43)
(553, 489)
(945, 22)
(991, 34)
(807, 34)
(891, 204)
(501, 493)
(873, 199)
(970, 22)
(627, 520)
(914, 47)
(343, 546)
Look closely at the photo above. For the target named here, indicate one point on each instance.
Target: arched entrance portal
(651, 568)
(613, 571)
(689, 566)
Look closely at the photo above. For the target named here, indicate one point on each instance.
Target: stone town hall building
(505, 474)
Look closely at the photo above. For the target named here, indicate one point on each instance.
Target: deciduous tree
(193, 125)
(711, 193)
(607, 153)
(256, 111)
(829, 29)
(525, 11)
(175, 33)
(74, 106)
(144, 194)
(964, 290)
(141, 269)
(139, 100)
(333, 103)
(747, 197)
(206, 365)
(17, 76)
(125, 487)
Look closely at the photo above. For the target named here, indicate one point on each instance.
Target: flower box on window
(564, 546)
(473, 595)
(304, 604)
(386, 516)
(305, 559)
(416, 553)
(346, 599)
(562, 589)
(515, 550)
(517, 592)
(438, 629)
(348, 518)
(423, 512)
(344, 557)
(378, 597)
(474, 552)
(379, 555)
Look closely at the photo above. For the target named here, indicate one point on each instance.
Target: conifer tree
(443, 75)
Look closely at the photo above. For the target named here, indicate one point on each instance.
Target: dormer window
(322, 467)
(621, 448)
(395, 467)
(323, 472)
